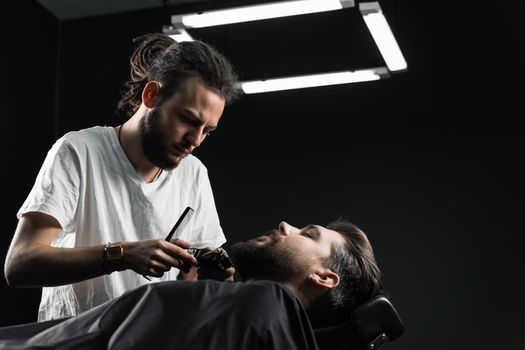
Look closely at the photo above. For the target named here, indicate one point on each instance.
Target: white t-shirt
(88, 184)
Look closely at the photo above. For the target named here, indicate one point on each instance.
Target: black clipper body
(211, 259)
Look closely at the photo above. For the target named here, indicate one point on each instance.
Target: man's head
(173, 129)
(180, 90)
(331, 268)
(159, 58)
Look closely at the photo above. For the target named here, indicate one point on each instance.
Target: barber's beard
(152, 141)
(254, 260)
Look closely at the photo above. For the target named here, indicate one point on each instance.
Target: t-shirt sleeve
(207, 230)
(56, 188)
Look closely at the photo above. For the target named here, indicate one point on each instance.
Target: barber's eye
(190, 120)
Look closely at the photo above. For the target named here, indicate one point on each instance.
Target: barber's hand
(224, 275)
(155, 256)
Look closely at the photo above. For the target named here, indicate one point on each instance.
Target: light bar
(177, 34)
(306, 81)
(382, 34)
(372, 15)
(257, 12)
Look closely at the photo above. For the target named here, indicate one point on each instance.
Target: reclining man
(294, 279)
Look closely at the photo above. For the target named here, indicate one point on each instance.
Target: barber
(105, 198)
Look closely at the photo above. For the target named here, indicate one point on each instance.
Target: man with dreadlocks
(106, 197)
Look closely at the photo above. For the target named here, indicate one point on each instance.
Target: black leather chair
(371, 325)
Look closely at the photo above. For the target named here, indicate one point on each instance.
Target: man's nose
(195, 137)
(287, 229)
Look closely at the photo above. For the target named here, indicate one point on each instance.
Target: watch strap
(112, 257)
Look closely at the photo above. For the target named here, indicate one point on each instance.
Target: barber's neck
(130, 141)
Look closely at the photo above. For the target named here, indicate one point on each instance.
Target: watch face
(114, 253)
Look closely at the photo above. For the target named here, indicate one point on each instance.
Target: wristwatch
(112, 258)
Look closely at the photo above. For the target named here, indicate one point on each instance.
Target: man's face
(285, 254)
(173, 129)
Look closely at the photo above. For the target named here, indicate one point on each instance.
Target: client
(293, 279)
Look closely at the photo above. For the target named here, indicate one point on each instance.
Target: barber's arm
(33, 262)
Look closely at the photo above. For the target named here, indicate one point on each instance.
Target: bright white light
(258, 12)
(385, 40)
(180, 36)
(306, 81)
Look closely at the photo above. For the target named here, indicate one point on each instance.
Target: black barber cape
(200, 315)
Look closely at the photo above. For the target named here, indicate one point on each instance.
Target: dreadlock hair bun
(148, 49)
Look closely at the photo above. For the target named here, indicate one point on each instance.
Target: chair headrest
(377, 322)
(372, 324)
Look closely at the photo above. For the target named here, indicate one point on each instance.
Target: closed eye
(190, 120)
(208, 131)
(310, 232)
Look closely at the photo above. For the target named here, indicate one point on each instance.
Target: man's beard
(152, 141)
(272, 261)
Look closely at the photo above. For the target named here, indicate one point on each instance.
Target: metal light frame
(369, 10)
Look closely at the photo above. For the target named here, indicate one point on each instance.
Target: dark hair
(158, 57)
(360, 278)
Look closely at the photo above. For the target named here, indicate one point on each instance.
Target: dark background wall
(27, 83)
(427, 162)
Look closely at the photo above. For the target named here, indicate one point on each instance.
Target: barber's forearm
(43, 265)
(39, 264)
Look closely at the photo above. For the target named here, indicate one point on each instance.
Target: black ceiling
(68, 10)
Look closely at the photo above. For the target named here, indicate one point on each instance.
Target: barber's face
(285, 254)
(173, 129)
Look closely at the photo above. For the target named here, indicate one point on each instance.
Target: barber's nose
(195, 137)
(288, 229)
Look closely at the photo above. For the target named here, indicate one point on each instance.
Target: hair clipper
(211, 259)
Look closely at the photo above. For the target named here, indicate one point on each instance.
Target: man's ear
(325, 279)
(150, 93)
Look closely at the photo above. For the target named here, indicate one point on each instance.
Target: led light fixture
(385, 40)
(372, 15)
(177, 34)
(305, 81)
(257, 12)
